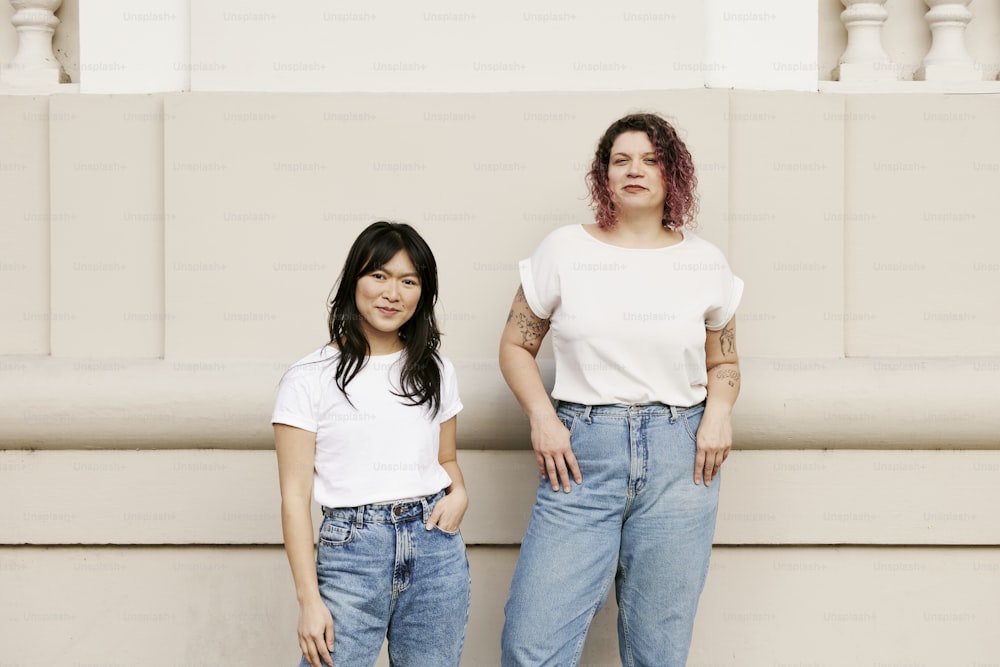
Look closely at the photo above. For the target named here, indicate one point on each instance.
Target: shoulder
(562, 235)
(446, 365)
(313, 363)
(560, 242)
(696, 244)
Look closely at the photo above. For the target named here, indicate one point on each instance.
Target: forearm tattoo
(532, 328)
(727, 340)
(731, 375)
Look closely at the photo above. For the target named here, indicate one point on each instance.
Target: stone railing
(34, 66)
(829, 45)
(865, 58)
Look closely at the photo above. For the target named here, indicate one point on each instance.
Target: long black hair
(420, 377)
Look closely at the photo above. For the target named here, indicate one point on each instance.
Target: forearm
(297, 528)
(520, 371)
(723, 388)
(455, 473)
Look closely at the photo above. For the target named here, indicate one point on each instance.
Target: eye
(378, 275)
(621, 161)
(411, 282)
(651, 160)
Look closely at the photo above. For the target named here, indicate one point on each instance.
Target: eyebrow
(629, 154)
(382, 269)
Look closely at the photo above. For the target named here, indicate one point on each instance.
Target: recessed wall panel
(922, 268)
(265, 194)
(786, 220)
(24, 226)
(450, 46)
(107, 226)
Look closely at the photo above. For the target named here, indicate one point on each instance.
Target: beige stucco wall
(164, 257)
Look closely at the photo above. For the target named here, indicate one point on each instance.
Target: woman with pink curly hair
(641, 312)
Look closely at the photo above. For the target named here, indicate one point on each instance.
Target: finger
(324, 653)
(312, 656)
(541, 464)
(574, 467)
(435, 516)
(328, 633)
(550, 466)
(712, 466)
(699, 465)
(563, 474)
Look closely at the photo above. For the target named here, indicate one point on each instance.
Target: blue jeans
(382, 574)
(638, 520)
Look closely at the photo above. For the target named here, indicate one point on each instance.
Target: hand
(715, 440)
(316, 632)
(448, 511)
(550, 440)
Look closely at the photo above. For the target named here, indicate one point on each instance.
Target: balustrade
(865, 60)
(34, 64)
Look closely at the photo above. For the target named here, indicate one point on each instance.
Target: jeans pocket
(692, 419)
(569, 420)
(335, 533)
(449, 533)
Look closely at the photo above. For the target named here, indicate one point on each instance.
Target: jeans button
(397, 510)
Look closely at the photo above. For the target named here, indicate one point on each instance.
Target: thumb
(435, 516)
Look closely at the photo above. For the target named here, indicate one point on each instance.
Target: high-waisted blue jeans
(382, 574)
(638, 520)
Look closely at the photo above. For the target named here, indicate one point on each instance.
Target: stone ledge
(883, 403)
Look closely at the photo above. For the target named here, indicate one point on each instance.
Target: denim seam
(605, 591)
(687, 427)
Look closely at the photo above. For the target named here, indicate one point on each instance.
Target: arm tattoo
(532, 328)
(727, 340)
(730, 374)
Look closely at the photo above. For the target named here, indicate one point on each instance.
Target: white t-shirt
(378, 450)
(628, 325)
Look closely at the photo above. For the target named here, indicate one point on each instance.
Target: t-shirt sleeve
(730, 294)
(540, 278)
(297, 399)
(451, 404)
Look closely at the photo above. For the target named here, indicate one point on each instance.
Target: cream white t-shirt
(628, 325)
(378, 450)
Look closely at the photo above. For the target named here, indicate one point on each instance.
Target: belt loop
(673, 414)
(586, 415)
(426, 509)
(359, 516)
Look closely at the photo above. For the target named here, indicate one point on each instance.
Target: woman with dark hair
(367, 425)
(642, 316)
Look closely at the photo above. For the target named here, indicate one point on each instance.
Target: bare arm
(519, 343)
(450, 510)
(715, 434)
(296, 451)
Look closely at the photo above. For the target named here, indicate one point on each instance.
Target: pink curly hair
(676, 166)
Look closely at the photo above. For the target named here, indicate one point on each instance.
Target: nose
(635, 168)
(392, 291)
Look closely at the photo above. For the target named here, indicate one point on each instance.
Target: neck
(384, 344)
(642, 229)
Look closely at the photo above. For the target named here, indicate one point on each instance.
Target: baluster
(34, 64)
(948, 59)
(864, 59)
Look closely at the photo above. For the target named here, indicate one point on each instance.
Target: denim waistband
(625, 408)
(391, 512)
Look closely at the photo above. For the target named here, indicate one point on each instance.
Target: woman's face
(634, 174)
(387, 297)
